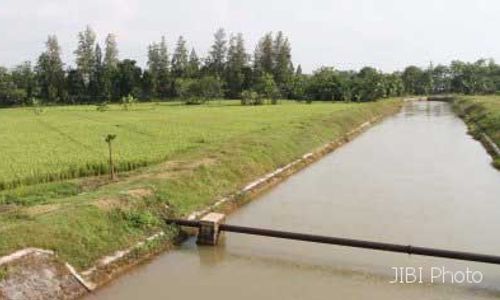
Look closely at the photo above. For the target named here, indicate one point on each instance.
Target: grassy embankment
(482, 114)
(194, 155)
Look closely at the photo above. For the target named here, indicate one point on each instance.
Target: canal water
(416, 178)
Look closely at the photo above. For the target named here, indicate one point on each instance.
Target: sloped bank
(482, 116)
(231, 171)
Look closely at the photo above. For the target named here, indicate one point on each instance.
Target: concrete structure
(209, 229)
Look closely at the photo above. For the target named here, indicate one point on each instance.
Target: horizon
(364, 33)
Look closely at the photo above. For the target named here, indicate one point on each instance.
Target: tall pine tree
(111, 51)
(193, 69)
(50, 71)
(264, 55)
(217, 57)
(283, 67)
(85, 54)
(180, 59)
(237, 62)
(110, 66)
(158, 68)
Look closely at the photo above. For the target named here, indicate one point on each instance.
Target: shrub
(267, 88)
(37, 106)
(250, 97)
(198, 91)
(102, 107)
(137, 219)
(128, 101)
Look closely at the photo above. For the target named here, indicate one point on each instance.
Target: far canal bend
(417, 178)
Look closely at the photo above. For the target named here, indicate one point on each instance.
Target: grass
(68, 142)
(482, 114)
(3, 273)
(194, 154)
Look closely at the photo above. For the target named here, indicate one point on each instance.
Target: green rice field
(68, 142)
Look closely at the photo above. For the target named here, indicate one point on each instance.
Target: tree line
(228, 71)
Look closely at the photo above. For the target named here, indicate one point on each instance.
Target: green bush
(102, 107)
(138, 219)
(267, 88)
(198, 91)
(128, 101)
(251, 97)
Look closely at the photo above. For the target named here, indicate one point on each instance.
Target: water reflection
(425, 108)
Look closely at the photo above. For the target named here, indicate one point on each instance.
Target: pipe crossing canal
(417, 178)
(211, 227)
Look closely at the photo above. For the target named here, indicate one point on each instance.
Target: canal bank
(481, 114)
(417, 178)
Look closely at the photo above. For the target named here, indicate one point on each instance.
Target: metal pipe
(467, 256)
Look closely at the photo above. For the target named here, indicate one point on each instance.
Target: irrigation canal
(417, 178)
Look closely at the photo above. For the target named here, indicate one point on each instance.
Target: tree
(237, 62)
(111, 52)
(441, 78)
(193, 67)
(85, 54)
(283, 67)
(299, 70)
(180, 59)
(217, 55)
(74, 86)
(298, 87)
(24, 78)
(325, 84)
(96, 85)
(393, 85)
(369, 85)
(412, 79)
(110, 66)
(474, 78)
(264, 56)
(198, 91)
(158, 67)
(50, 72)
(211, 87)
(266, 87)
(154, 66)
(228, 69)
(187, 90)
(147, 85)
(129, 79)
(10, 94)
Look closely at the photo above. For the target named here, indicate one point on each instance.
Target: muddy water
(417, 178)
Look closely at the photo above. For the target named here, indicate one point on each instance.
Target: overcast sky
(386, 34)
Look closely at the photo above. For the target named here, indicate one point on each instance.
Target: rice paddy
(68, 142)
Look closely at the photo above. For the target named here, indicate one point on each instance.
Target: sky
(346, 34)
